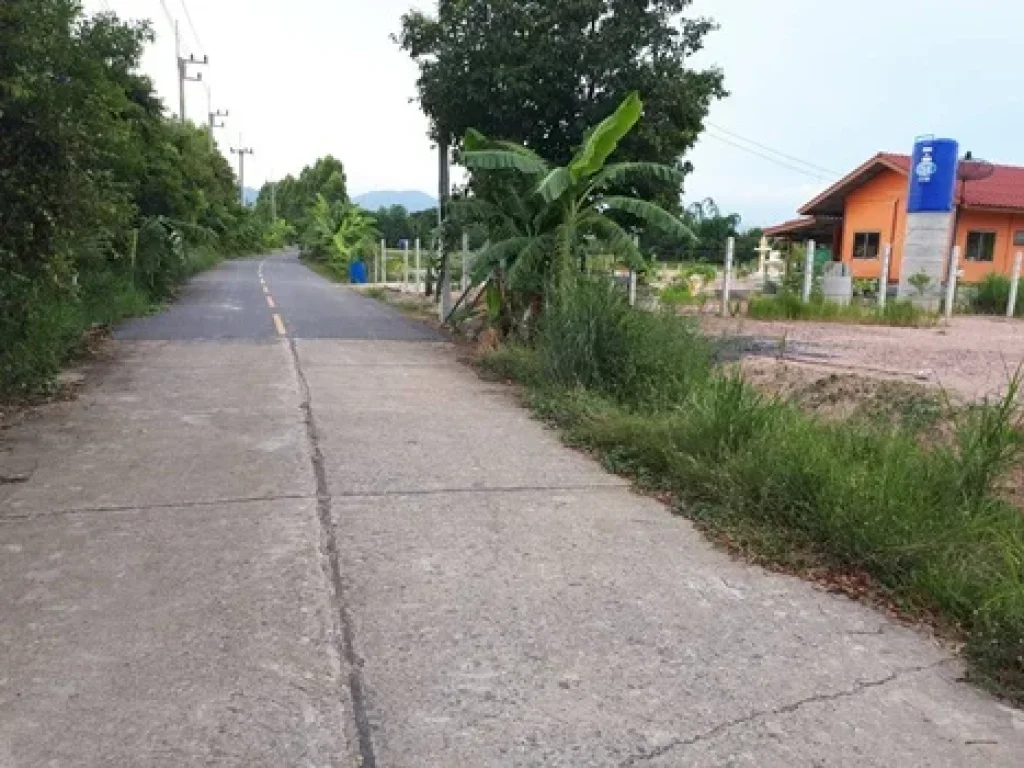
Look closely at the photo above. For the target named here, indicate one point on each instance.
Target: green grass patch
(788, 306)
(926, 524)
(35, 345)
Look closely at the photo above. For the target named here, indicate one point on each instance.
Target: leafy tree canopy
(541, 72)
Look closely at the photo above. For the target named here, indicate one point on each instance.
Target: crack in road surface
(346, 644)
(785, 709)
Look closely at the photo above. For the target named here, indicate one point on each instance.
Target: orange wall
(1004, 225)
(880, 205)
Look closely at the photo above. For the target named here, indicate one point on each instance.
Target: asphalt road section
(282, 526)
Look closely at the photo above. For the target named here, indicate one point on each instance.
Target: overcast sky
(824, 82)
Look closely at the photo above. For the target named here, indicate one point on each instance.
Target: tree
(539, 73)
(546, 231)
(296, 197)
(340, 233)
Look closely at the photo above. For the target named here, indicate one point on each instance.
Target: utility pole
(183, 65)
(213, 116)
(241, 152)
(273, 201)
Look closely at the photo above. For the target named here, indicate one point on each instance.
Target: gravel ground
(972, 358)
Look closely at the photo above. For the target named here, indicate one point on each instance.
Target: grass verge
(926, 528)
(53, 329)
(787, 306)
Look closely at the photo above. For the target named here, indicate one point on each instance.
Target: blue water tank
(357, 273)
(933, 175)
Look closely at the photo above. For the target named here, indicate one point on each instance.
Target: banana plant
(345, 232)
(566, 205)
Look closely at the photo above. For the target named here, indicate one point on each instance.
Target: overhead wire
(765, 156)
(772, 150)
(192, 27)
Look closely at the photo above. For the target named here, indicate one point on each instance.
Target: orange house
(866, 211)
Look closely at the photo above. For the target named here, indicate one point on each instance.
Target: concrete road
(283, 527)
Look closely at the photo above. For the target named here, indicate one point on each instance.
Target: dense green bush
(592, 338)
(992, 296)
(107, 205)
(788, 306)
(928, 523)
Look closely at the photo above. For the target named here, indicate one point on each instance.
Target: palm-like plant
(344, 232)
(542, 230)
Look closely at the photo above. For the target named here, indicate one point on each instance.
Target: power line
(769, 158)
(167, 13)
(735, 135)
(192, 26)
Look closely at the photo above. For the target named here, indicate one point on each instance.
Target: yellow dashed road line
(279, 324)
(270, 302)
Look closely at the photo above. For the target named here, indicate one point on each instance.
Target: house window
(981, 246)
(1018, 237)
(866, 245)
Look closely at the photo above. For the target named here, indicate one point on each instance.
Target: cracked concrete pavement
(339, 547)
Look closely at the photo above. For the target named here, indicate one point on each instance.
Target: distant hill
(250, 195)
(411, 200)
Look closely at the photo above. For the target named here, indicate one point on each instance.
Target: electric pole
(241, 152)
(214, 124)
(273, 201)
(183, 65)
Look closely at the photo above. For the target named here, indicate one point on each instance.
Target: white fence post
(954, 269)
(383, 260)
(1011, 308)
(883, 278)
(805, 295)
(465, 262)
(417, 291)
(730, 252)
(632, 287)
(405, 266)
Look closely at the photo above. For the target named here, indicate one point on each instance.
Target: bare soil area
(972, 358)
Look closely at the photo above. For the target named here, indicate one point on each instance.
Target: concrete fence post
(1011, 307)
(883, 277)
(383, 260)
(951, 277)
(730, 253)
(465, 262)
(405, 266)
(417, 275)
(632, 287)
(805, 295)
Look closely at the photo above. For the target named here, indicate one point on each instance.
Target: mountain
(250, 195)
(411, 200)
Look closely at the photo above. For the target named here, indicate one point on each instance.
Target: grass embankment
(925, 525)
(33, 349)
(787, 306)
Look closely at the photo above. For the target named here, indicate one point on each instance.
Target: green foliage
(788, 306)
(541, 73)
(992, 296)
(540, 233)
(106, 203)
(338, 234)
(927, 523)
(921, 282)
(295, 198)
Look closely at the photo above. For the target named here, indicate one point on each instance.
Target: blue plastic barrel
(933, 175)
(357, 273)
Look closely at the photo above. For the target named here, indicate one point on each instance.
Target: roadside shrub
(590, 337)
(992, 296)
(788, 306)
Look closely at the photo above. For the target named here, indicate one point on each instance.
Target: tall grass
(35, 347)
(788, 306)
(927, 523)
(992, 296)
